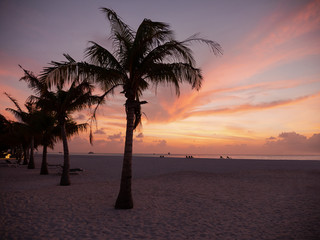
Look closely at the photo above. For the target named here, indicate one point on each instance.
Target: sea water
(211, 156)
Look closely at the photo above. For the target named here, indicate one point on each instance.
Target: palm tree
(63, 103)
(148, 56)
(13, 136)
(5, 132)
(20, 137)
(50, 104)
(51, 132)
(30, 119)
(48, 124)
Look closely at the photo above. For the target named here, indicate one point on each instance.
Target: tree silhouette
(62, 103)
(30, 120)
(148, 56)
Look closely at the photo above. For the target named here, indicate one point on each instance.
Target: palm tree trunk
(44, 164)
(124, 200)
(19, 154)
(25, 156)
(31, 164)
(65, 178)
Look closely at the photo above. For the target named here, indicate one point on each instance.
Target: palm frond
(215, 47)
(73, 128)
(172, 51)
(175, 74)
(121, 33)
(149, 35)
(106, 77)
(59, 73)
(34, 99)
(15, 102)
(102, 57)
(19, 115)
(33, 82)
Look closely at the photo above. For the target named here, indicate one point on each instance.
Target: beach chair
(58, 167)
(9, 163)
(74, 171)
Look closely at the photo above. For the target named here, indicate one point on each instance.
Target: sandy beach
(173, 199)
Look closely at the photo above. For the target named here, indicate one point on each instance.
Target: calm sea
(215, 156)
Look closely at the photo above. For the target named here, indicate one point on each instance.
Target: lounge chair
(9, 163)
(71, 170)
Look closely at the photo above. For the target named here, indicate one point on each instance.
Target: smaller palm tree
(13, 136)
(49, 136)
(47, 122)
(30, 119)
(5, 132)
(63, 103)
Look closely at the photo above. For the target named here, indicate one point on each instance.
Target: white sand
(174, 199)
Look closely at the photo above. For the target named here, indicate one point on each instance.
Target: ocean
(211, 156)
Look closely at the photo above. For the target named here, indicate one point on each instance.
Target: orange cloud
(170, 108)
(252, 107)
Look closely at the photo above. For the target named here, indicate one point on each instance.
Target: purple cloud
(99, 131)
(294, 143)
(140, 135)
(115, 136)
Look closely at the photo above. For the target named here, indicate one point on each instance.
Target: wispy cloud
(251, 107)
(117, 136)
(288, 25)
(99, 131)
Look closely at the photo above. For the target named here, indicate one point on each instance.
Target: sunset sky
(262, 96)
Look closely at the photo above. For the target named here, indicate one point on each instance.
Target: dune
(173, 199)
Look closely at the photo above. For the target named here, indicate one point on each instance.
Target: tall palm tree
(148, 56)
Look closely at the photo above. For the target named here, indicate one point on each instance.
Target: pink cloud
(295, 24)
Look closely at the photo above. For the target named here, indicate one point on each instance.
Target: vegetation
(62, 104)
(148, 56)
(47, 119)
(50, 103)
(29, 124)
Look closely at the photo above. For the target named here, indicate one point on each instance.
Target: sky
(262, 96)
